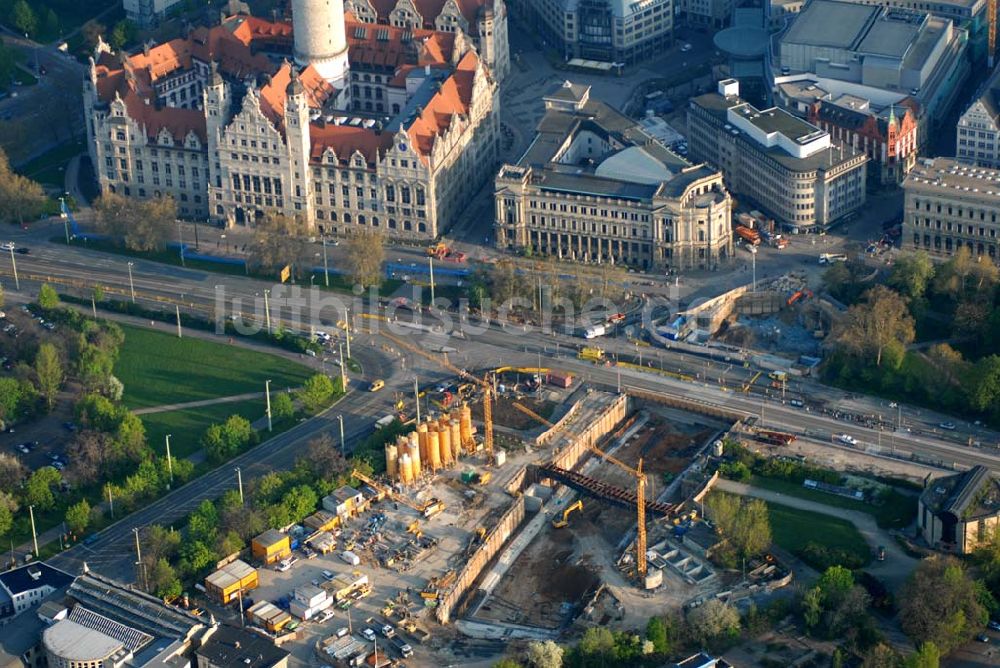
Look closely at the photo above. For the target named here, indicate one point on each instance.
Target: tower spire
(321, 39)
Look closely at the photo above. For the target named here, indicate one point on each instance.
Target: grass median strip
(158, 368)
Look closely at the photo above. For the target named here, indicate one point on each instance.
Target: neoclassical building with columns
(345, 124)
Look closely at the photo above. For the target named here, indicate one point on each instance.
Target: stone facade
(228, 126)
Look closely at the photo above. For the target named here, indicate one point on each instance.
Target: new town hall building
(380, 124)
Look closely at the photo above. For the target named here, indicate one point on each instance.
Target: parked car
(342, 631)
(327, 575)
(848, 439)
(388, 631)
(950, 426)
(982, 637)
(369, 635)
(995, 625)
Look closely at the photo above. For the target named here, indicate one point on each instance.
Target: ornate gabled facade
(393, 138)
(484, 22)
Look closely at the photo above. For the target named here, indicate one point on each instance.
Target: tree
(8, 506)
(964, 276)
(656, 633)
(507, 663)
(323, 457)
(743, 525)
(940, 604)
(48, 298)
(163, 580)
(597, 644)
(92, 31)
(316, 392)
(12, 472)
(365, 254)
(282, 407)
(11, 397)
(78, 516)
(912, 274)
(196, 557)
(545, 654)
(223, 441)
(878, 327)
(142, 225)
(928, 656)
(712, 621)
(20, 197)
(23, 18)
(880, 656)
(203, 523)
(278, 241)
(49, 373)
(123, 33)
(984, 387)
(812, 607)
(38, 491)
(834, 585)
(300, 501)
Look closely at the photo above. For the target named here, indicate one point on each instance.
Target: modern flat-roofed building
(606, 31)
(787, 166)
(959, 11)
(594, 186)
(231, 647)
(24, 587)
(899, 50)
(948, 205)
(271, 546)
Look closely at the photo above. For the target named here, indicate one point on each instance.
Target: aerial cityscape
(527, 334)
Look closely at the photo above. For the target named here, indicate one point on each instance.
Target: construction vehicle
(774, 437)
(436, 585)
(564, 522)
(432, 508)
(591, 354)
(415, 529)
(750, 236)
(485, 383)
(478, 536)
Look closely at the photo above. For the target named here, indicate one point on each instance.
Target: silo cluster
(436, 443)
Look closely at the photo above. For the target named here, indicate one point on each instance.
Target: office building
(785, 165)
(960, 512)
(363, 126)
(605, 31)
(147, 13)
(594, 186)
(898, 50)
(231, 647)
(948, 205)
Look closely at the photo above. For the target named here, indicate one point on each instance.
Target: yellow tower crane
(484, 383)
(640, 493)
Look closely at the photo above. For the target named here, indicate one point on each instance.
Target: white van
(349, 557)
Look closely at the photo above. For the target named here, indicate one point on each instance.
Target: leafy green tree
(20, 197)
(8, 506)
(282, 407)
(912, 274)
(38, 491)
(122, 34)
(23, 18)
(812, 607)
(300, 501)
(876, 329)
(597, 645)
(223, 441)
(48, 298)
(78, 516)
(49, 373)
(197, 557)
(545, 654)
(834, 585)
(928, 656)
(203, 523)
(656, 633)
(984, 390)
(940, 604)
(10, 398)
(229, 543)
(712, 621)
(163, 580)
(316, 393)
(508, 663)
(880, 656)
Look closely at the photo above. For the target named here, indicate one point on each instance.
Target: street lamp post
(34, 535)
(170, 462)
(267, 398)
(326, 266)
(340, 419)
(13, 263)
(239, 483)
(343, 374)
(267, 311)
(347, 332)
(65, 218)
(131, 285)
(180, 241)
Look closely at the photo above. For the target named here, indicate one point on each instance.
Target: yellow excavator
(564, 522)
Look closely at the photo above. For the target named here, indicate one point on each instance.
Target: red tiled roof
(275, 92)
(398, 47)
(454, 97)
(345, 140)
(179, 122)
(429, 10)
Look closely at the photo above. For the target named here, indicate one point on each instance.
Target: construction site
(533, 501)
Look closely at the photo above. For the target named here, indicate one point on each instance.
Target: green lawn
(186, 427)
(49, 168)
(897, 510)
(794, 529)
(157, 368)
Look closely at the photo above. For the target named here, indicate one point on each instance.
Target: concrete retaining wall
(691, 405)
(494, 541)
(571, 454)
(554, 430)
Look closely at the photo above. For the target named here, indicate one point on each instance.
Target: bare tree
(278, 241)
(365, 254)
(880, 323)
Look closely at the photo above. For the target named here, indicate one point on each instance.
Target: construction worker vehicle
(591, 354)
(564, 522)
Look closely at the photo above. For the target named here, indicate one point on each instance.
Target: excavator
(564, 522)
(436, 585)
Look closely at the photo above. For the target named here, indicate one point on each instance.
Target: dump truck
(750, 236)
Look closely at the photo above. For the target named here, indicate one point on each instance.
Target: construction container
(416, 463)
(456, 438)
(391, 455)
(405, 469)
(433, 448)
(560, 379)
(499, 456)
(465, 423)
(444, 442)
(468, 477)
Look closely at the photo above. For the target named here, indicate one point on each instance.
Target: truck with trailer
(748, 235)
(402, 647)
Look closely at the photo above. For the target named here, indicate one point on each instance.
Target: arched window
(361, 220)
(374, 221)
(347, 217)
(407, 225)
(392, 222)
(422, 227)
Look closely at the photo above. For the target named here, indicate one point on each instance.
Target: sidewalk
(166, 408)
